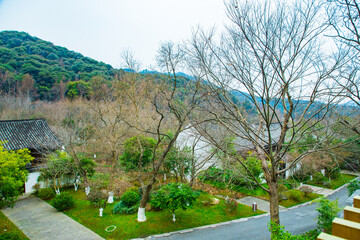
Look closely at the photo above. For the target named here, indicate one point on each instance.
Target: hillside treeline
(29, 65)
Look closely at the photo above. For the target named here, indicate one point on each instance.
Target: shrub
(173, 196)
(98, 198)
(294, 195)
(327, 184)
(278, 232)
(222, 178)
(45, 193)
(353, 186)
(133, 189)
(231, 205)
(311, 234)
(318, 178)
(120, 208)
(332, 173)
(205, 199)
(134, 148)
(283, 196)
(302, 174)
(306, 190)
(328, 210)
(63, 202)
(282, 188)
(36, 187)
(121, 186)
(130, 198)
(158, 200)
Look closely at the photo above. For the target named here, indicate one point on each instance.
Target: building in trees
(33, 134)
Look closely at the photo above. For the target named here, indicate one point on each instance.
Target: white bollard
(101, 212)
(87, 190)
(254, 206)
(111, 197)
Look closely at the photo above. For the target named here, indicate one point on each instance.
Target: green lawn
(256, 191)
(11, 229)
(157, 221)
(260, 193)
(335, 183)
(304, 198)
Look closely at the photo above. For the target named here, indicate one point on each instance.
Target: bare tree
(344, 19)
(271, 56)
(170, 113)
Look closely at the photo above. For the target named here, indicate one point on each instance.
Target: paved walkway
(350, 172)
(261, 204)
(319, 190)
(40, 221)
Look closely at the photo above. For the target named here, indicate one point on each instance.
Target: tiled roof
(30, 133)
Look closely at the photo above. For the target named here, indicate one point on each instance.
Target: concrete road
(296, 220)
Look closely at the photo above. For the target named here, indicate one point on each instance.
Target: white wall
(32, 180)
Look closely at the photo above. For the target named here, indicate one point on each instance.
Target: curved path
(40, 221)
(297, 220)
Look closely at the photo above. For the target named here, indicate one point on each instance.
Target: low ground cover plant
(129, 203)
(45, 193)
(231, 205)
(353, 186)
(63, 201)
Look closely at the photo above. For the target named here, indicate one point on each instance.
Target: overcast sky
(102, 29)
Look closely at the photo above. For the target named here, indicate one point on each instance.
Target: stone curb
(203, 227)
(236, 220)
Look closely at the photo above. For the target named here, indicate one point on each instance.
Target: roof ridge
(23, 120)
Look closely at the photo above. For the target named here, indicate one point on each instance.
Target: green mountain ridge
(50, 66)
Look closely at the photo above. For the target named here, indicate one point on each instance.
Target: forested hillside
(41, 69)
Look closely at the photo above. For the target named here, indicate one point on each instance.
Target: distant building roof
(34, 134)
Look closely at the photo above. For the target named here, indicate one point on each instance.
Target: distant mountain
(54, 70)
(351, 104)
(151, 72)
(48, 64)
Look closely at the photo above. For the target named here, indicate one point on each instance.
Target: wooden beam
(325, 236)
(346, 229)
(352, 214)
(357, 201)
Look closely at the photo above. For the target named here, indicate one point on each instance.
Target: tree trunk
(274, 201)
(144, 199)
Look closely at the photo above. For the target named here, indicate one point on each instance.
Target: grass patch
(335, 183)
(256, 191)
(302, 199)
(11, 228)
(260, 193)
(157, 221)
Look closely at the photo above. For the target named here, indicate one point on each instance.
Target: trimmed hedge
(45, 193)
(63, 202)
